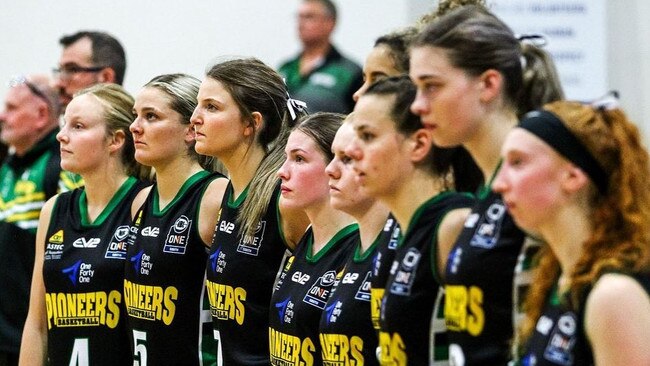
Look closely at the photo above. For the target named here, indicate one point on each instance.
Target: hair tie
(293, 104)
(537, 40)
(607, 102)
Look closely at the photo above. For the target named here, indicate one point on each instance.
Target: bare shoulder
(215, 191)
(612, 289)
(139, 199)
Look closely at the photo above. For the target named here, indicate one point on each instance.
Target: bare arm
(35, 331)
(138, 201)
(293, 225)
(209, 210)
(617, 321)
(448, 231)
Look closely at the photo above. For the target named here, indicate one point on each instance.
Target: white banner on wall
(576, 32)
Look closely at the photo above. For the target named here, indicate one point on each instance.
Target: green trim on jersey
(359, 256)
(486, 188)
(239, 200)
(112, 204)
(313, 258)
(188, 183)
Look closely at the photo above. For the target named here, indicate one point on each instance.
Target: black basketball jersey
(559, 337)
(240, 276)
(479, 286)
(410, 330)
(164, 278)
(381, 263)
(347, 335)
(82, 273)
(300, 295)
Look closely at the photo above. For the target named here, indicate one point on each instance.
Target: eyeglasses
(22, 80)
(67, 71)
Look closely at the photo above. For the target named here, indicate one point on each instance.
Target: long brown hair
(620, 241)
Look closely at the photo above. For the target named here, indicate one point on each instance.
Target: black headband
(548, 127)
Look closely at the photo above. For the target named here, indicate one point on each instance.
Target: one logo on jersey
(405, 274)
(54, 246)
(320, 290)
(333, 311)
(559, 349)
(86, 243)
(454, 259)
(79, 272)
(394, 238)
(488, 228)
(218, 260)
(118, 244)
(285, 310)
(251, 244)
(178, 235)
(151, 231)
(363, 293)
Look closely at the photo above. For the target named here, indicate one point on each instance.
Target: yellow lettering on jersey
(286, 349)
(226, 302)
(376, 294)
(83, 309)
(338, 349)
(464, 309)
(393, 349)
(57, 238)
(150, 302)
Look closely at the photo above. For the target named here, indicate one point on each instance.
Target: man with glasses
(88, 58)
(29, 175)
(320, 75)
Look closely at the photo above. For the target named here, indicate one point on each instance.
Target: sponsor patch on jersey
(488, 228)
(218, 260)
(320, 290)
(562, 340)
(285, 310)
(54, 246)
(405, 274)
(117, 246)
(250, 244)
(142, 263)
(83, 243)
(333, 311)
(363, 293)
(79, 272)
(178, 235)
(57, 238)
(394, 238)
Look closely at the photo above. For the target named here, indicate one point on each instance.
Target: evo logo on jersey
(89, 243)
(226, 302)
(79, 272)
(153, 303)
(83, 309)
(290, 350)
(151, 231)
(226, 227)
(339, 349)
(178, 235)
(392, 349)
(404, 275)
(464, 309)
(300, 277)
(488, 229)
(118, 244)
(320, 290)
(250, 244)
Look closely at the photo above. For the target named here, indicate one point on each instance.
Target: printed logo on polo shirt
(54, 246)
(79, 272)
(323, 79)
(405, 273)
(118, 244)
(320, 290)
(488, 229)
(178, 235)
(141, 263)
(559, 349)
(250, 244)
(285, 310)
